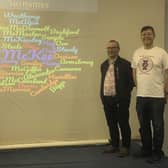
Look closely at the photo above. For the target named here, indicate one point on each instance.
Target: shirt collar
(112, 61)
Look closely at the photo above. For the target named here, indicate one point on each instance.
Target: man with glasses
(116, 86)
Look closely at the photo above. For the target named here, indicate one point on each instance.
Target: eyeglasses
(108, 48)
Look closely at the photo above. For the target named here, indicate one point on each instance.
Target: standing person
(116, 86)
(150, 68)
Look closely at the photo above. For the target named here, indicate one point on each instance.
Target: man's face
(147, 37)
(112, 49)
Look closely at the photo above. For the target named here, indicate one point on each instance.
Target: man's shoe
(142, 153)
(111, 149)
(155, 158)
(123, 152)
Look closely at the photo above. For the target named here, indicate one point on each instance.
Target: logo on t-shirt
(145, 64)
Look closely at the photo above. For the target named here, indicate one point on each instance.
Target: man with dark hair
(116, 86)
(150, 69)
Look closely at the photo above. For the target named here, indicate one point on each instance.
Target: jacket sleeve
(101, 84)
(131, 81)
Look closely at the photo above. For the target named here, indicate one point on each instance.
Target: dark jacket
(123, 78)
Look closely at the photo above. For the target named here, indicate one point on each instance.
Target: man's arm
(134, 76)
(166, 83)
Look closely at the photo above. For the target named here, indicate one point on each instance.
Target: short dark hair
(144, 28)
(115, 41)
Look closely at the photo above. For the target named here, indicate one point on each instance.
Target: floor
(72, 157)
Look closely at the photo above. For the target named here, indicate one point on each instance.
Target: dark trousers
(117, 116)
(150, 114)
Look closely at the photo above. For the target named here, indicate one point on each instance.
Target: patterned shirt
(109, 83)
